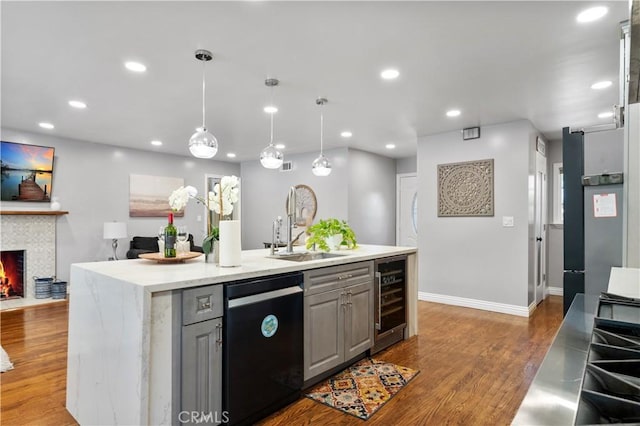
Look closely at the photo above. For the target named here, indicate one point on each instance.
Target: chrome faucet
(291, 218)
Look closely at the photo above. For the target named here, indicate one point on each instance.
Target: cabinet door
(359, 321)
(323, 332)
(202, 371)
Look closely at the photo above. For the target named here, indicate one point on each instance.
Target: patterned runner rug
(363, 388)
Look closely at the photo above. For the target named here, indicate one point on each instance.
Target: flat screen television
(27, 171)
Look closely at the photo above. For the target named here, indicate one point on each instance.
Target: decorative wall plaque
(465, 189)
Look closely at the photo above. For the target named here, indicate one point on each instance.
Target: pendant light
(202, 143)
(270, 157)
(321, 165)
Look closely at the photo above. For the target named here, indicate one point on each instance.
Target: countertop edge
(156, 277)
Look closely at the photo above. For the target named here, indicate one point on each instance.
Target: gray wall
(91, 181)
(477, 258)
(555, 246)
(372, 197)
(264, 193)
(407, 165)
(360, 190)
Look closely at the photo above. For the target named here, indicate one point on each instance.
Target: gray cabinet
(201, 344)
(338, 316)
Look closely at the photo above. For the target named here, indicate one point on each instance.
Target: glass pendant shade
(203, 144)
(271, 158)
(321, 166)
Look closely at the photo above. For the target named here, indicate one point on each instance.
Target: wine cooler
(390, 301)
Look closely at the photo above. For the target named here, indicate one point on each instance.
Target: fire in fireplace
(11, 274)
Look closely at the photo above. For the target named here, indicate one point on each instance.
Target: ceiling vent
(287, 166)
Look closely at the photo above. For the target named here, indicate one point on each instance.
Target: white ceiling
(495, 61)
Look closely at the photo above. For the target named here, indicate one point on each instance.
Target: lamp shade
(114, 230)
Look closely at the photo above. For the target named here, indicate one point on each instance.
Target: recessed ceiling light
(231, 155)
(453, 113)
(280, 146)
(389, 74)
(271, 109)
(78, 104)
(156, 143)
(46, 125)
(390, 146)
(592, 14)
(601, 84)
(606, 114)
(346, 134)
(135, 66)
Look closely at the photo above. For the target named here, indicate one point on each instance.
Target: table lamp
(113, 231)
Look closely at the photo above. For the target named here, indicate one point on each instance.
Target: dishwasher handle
(261, 297)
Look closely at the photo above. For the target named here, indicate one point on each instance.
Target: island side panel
(164, 366)
(108, 350)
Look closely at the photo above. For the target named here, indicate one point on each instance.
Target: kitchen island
(122, 351)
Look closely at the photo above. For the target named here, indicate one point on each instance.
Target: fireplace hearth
(12, 274)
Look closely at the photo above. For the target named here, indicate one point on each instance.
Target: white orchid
(180, 197)
(224, 195)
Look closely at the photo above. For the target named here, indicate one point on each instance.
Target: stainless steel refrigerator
(592, 210)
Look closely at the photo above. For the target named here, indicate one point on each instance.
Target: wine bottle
(170, 234)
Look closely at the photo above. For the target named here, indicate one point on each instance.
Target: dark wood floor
(475, 368)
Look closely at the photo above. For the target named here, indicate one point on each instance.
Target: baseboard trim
(555, 291)
(521, 311)
(532, 307)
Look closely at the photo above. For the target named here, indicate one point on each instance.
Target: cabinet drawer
(334, 277)
(201, 303)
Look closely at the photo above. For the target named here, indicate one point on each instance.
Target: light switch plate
(507, 221)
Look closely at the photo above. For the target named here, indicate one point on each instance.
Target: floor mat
(363, 388)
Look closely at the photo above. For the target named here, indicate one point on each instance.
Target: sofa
(141, 245)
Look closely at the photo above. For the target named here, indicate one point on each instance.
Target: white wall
(555, 245)
(264, 193)
(372, 197)
(632, 187)
(91, 181)
(475, 257)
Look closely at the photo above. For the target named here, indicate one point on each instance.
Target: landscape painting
(149, 195)
(27, 172)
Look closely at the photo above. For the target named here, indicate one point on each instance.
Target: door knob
(538, 238)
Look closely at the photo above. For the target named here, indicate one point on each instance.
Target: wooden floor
(475, 368)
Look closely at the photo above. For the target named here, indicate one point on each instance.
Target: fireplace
(12, 271)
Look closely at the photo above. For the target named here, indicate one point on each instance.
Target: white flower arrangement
(220, 200)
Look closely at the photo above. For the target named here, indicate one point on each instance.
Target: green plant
(214, 235)
(327, 228)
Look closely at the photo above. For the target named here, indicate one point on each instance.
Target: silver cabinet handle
(345, 277)
(219, 334)
(349, 298)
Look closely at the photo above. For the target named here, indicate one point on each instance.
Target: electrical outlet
(507, 221)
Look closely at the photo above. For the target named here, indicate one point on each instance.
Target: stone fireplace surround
(34, 232)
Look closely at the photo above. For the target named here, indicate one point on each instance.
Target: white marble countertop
(625, 282)
(156, 277)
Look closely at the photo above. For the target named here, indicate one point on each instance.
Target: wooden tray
(180, 257)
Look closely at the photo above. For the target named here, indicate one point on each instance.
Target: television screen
(27, 171)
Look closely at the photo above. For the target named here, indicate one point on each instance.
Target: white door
(407, 210)
(540, 226)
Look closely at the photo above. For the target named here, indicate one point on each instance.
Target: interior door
(407, 210)
(540, 226)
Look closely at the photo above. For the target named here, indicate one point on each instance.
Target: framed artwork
(306, 205)
(149, 195)
(465, 189)
(27, 172)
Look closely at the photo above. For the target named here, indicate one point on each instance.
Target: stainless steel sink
(304, 257)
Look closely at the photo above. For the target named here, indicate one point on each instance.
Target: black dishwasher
(263, 346)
